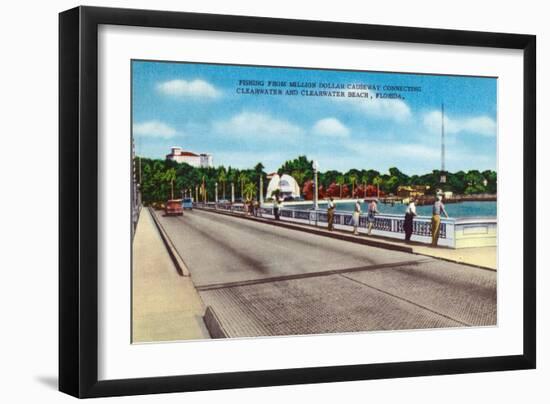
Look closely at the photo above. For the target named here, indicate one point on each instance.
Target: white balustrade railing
(454, 233)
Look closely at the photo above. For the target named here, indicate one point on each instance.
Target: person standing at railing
(372, 210)
(330, 213)
(437, 209)
(355, 217)
(276, 208)
(409, 216)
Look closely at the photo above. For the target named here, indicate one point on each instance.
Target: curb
(174, 255)
(457, 262)
(339, 236)
(213, 324)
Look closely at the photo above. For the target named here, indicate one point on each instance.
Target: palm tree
(353, 179)
(231, 176)
(170, 176)
(365, 180)
(340, 180)
(243, 178)
(377, 181)
(250, 191)
(259, 168)
(222, 178)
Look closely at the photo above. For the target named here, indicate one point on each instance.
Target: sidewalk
(485, 257)
(165, 305)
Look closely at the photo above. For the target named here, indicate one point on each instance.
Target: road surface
(267, 280)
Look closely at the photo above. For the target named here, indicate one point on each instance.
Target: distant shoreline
(420, 201)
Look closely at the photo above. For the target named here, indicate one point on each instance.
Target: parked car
(187, 203)
(173, 208)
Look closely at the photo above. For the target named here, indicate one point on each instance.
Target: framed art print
(250, 201)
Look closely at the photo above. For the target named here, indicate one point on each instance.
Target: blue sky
(198, 107)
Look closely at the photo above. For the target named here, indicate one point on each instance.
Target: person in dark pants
(409, 216)
(371, 212)
(330, 213)
(276, 208)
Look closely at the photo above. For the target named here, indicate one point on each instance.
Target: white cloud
(183, 88)
(154, 129)
(247, 124)
(482, 125)
(392, 109)
(330, 127)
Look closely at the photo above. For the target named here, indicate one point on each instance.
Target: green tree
(299, 176)
(378, 182)
(353, 179)
(365, 181)
(170, 176)
(329, 177)
(491, 178)
(222, 178)
(250, 190)
(391, 184)
(372, 174)
(341, 180)
(243, 178)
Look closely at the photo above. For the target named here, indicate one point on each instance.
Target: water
(455, 210)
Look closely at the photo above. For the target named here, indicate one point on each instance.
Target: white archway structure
(286, 184)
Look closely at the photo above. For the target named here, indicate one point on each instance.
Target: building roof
(182, 153)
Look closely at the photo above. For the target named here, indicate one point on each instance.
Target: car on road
(173, 208)
(187, 203)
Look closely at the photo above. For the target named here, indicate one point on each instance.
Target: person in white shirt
(355, 217)
(409, 216)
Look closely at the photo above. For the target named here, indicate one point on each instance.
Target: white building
(179, 155)
(285, 183)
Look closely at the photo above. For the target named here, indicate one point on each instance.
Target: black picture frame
(78, 196)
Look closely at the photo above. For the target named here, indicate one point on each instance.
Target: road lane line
(309, 275)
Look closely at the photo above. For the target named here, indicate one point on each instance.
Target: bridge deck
(266, 280)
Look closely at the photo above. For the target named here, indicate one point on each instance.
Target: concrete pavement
(165, 305)
(262, 280)
(484, 257)
(219, 248)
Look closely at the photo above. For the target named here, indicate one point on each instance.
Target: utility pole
(443, 176)
(203, 190)
(139, 168)
(315, 185)
(261, 190)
